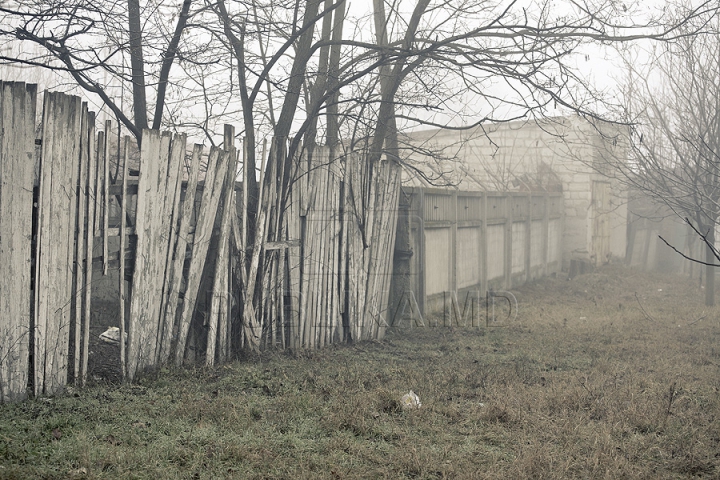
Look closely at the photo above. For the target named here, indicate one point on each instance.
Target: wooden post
(421, 257)
(528, 235)
(80, 243)
(169, 225)
(90, 233)
(106, 196)
(545, 233)
(508, 252)
(454, 243)
(484, 244)
(56, 239)
(218, 309)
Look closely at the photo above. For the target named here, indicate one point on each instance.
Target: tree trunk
(168, 59)
(709, 269)
(137, 64)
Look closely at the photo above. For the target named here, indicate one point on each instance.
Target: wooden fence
(462, 241)
(326, 268)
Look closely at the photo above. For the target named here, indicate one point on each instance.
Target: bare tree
(673, 105)
(93, 42)
(293, 70)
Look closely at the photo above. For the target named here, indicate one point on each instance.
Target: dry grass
(584, 384)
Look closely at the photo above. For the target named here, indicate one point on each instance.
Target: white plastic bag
(410, 401)
(112, 336)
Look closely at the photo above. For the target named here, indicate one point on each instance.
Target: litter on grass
(410, 400)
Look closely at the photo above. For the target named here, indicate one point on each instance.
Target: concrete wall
(437, 242)
(469, 257)
(564, 154)
(474, 241)
(495, 261)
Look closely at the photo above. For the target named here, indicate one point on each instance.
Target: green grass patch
(584, 383)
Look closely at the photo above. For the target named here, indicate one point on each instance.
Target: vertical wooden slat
(214, 178)
(168, 230)
(343, 249)
(121, 286)
(72, 170)
(333, 309)
(41, 274)
(528, 237)
(372, 306)
(243, 231)
(80, 244)
(282, 318)
(160, 158)
(218, 309)
(293, 222)
(484, 245)
(176, 268)
(231, 211)
(140, 334)
(56, 238)
(17, 172)
(105, 195)
(545, 233)
(508, 250)
(97, 176)
(368, 215)
(391, 212)
(252, 324)
(91, 208)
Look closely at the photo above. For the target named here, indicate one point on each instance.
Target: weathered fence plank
(94, 144)
(121, 286)
(218, 320)
(214, 179)
(160, 158)
(176, 267)
(17, 176)
(80, 245)
(56, 239)
(106, 196)
(169, 217)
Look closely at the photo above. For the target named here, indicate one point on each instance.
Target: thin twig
(705, 240)
(647, 315)
(702, 317)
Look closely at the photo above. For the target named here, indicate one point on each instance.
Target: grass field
(614, 374)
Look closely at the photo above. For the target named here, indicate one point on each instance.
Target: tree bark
(709, 269)
(137, 64)
(168, 59)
